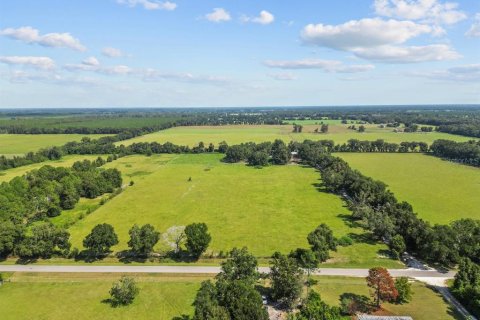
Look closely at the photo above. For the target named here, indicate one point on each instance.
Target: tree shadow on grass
(365, 237)
(350, 221)
(127, 256)
(26, 260)
(89, 257)
(182, 317)
(113, 303)
(355, 303)
(181, 256)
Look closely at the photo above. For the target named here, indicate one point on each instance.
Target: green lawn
(66, 161)
(439, 191)
(19, 144)
(82, 296)
(259, 133)
(426, 303)
(267, 209)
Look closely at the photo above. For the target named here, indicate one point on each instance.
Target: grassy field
(19, 144)
(259, 133)
(66, 161)
(440, 191)
(264, 209)
(426, 303)
(82, 296)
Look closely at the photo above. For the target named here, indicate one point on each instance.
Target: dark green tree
(286, 277)
(404, 289)
(240, 266)
(397, 246)
(315, 308)
(279, 152)
(100, 240)
(142, 240)
(321, 241)
(197, 239)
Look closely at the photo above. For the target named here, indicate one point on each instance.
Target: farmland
(339, 133)
(440, 191)
(19, 144)
(278, 215)
(59, 296)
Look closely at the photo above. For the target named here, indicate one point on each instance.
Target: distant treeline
(28, 201)
(466, 152)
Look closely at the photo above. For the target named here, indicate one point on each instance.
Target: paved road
(431, 277)
(414, 273)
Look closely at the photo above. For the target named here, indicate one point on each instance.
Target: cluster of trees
(259, 154)
(297, 128)
(391, 221)
(143, 239)
(28, 200)
(463, 152)
(463, 129)
(466, 286)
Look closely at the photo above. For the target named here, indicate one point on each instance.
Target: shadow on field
(127, 256)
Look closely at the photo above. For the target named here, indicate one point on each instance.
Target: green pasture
(66, 161)
(82, 296)
(439, 191)
(19, 144)
(267, 209)
(235, 134)
(316, 122)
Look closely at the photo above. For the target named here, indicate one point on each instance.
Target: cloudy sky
(179, 53)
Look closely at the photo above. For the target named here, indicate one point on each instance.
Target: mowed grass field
(82, 296)
(267, 209)
(66, 161)
(19, 144)
(439, 191)
(235, 134)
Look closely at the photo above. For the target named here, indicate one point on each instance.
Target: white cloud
(432, 11)
(264, 17)
(460, 73)
(91, 61)
(56, 40)
(411, 54)
(363, 33)
(283, 76)
(150, 5)
(474, 30)
(218, 15)
(379, 40)
(36, 62)
(152, 75)
(325, 65)
(112, 52)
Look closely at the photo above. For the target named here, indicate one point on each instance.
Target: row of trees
(377, 210)
(466, 286)
(143, 239)
(463, 152)
(259, 154)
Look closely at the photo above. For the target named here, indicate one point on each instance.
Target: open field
(439, 191)
(19, 144)
(62, 296)
(66, 161)
(260, 133)
(425, 304)
(264, 209)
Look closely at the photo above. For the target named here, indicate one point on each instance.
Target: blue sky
(149, 53)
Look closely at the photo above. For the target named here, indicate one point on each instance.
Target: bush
(345, 241)
(124, 291)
